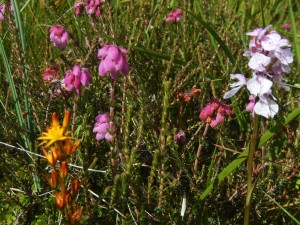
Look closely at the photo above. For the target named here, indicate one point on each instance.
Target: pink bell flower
(51, 73)
(113, 61)
(175, 16)
(79, 7)
(59, 36)
(101, 128)
(214, 113)
(76, 78)
(93, 6)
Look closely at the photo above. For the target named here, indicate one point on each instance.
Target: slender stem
(250, 185)
(111, 123)
(199, 149)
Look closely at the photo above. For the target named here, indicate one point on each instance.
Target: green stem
(250, 185)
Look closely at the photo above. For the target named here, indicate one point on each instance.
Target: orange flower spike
(76, 216)
(56, 132)
(66, 121)
(68, 198)
(63, 170)
(75, 183)
(70, 148)
(51, 158)
(60, 200)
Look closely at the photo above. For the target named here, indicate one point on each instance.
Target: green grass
(151, 173)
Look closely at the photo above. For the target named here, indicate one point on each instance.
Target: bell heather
(51, 73)
(113, 61)
(2, 10)
(93, 6)
(79, 7)
(101, 127)
(174, 16)
(270, 56)
(77, 77)
(214, 112)
(59, 36)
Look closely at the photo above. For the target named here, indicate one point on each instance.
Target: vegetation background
(152, 173)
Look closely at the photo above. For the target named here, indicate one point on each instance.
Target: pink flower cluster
(51, 73)
(101, 127)
(270, 56)
(76, 78)
(2, 10)
(59, 36)
(113, 61)
(175, 16)
(214, 112)
(91, 6)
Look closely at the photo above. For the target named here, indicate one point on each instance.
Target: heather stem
(199, 149)
(111, 119)
(250, 185)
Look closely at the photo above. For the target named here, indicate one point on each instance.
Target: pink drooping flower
(2, 10)
(214, 113)
(113, 61)
(59, 36)
(180, 137)
(287, 26)
(79, 7)
(175, 16)
(76, 78)
(51, 73)
(101, 127)
(93, 6)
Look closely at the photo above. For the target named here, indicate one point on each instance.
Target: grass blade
(242, 157)
(282, 208)
(295, 34)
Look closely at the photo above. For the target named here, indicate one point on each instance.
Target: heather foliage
(112, 112)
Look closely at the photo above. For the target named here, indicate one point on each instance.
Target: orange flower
(53, 179)
(56, 132)
(63, 170)
(51, 156)
(76, 214)
(60, 199)
(75, 183)
(71, 147)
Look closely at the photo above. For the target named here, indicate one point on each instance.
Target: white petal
(259, 85)
(270, 41)
(266, 110)
(232, 92)
(259, 62)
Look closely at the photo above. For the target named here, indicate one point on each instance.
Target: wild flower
(113, 61)
(51, 73)
(59, 36)
(286, 26)
(186, 97)
(180, 137)
(175, 16)
(214, 113)
(93, 6)
(79, 7)
(2, 10)
(56, 132)
(101, 127)
(270, 56)
(76, 78)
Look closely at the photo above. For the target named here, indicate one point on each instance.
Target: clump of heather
(270, 56)
(59, 36)
(76, 78)
(175, 16)
(113, 61)
(214, 113)
(101, 127)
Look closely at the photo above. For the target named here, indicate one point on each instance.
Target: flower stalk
(250, 186)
